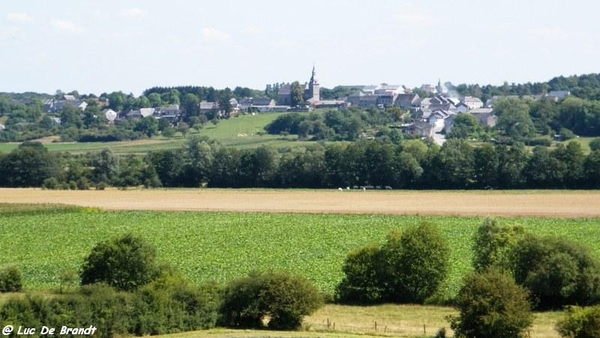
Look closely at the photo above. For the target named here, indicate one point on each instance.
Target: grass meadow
(243, 132)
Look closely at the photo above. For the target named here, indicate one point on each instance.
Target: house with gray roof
(558, 95)
(485, 116)
(407, 101)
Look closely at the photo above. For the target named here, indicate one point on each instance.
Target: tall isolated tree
(297, 94)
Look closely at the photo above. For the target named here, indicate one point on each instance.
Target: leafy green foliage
(362, 277)
(10, 279)
(491, 305)
(125, 263)
(493, 244)
(557, 271)
(408, 268)
(281, 297)
(27, 166)
(580, 322)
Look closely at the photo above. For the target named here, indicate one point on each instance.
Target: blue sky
(105, 46)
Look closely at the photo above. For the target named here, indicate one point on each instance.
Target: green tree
(70, 116)
(363, 274)
(281, 297)
(513, 118)
(297, 94)
(154, 100)
(591, 170)
(147, 126)
(457, 164)
(491, 305)
(511, 162)
(465, 126)
(106, 166)
(493, 244)
(595, 144)
(125, 263)
(418, 263)
(224, 102)
(408, 268)
(183, 128)
(191, 105)
(556, 271)
(28, 166)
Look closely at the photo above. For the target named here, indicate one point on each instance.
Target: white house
(472, 102)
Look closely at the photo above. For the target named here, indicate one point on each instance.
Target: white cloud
(11, 32)
(19, 17)
(411, 15)
(251, 30)
(133, 13)
(66, 26)
(548, 32)
(212, 34)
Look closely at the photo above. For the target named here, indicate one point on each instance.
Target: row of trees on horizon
(411, 164)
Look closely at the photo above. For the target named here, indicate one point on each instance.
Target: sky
(105, 46)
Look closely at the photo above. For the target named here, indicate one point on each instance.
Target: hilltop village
(433, 108)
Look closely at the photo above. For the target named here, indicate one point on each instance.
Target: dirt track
(480, 203)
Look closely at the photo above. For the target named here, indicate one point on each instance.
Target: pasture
(243, 132)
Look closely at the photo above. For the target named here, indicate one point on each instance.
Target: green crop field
(219, 246)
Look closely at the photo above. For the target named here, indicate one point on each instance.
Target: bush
(125, 263)
(83, 184)
(281, 298)
(170, 304)
(491, 305)
(595, 144)
(566, 134)
(556, 272)
(10, 279)
(362, 277)
(492, 245)
(51, 183)
(408, 268)
(580, 322)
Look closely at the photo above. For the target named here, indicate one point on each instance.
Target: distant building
(312, 92)
(472, 102)
(407, 101)
(54, 106)
(558, 95)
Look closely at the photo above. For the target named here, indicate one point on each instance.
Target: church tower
(314, 89)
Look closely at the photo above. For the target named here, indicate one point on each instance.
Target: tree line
(410, 164)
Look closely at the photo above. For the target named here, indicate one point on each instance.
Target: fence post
(424, 331)
(375, 326)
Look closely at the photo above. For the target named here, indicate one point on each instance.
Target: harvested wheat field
(458, 203)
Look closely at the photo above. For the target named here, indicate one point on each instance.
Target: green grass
(243, 132)
(219, 246)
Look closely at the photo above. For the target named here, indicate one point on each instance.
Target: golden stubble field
(554, 203)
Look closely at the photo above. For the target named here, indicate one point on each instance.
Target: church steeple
(314, 90)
